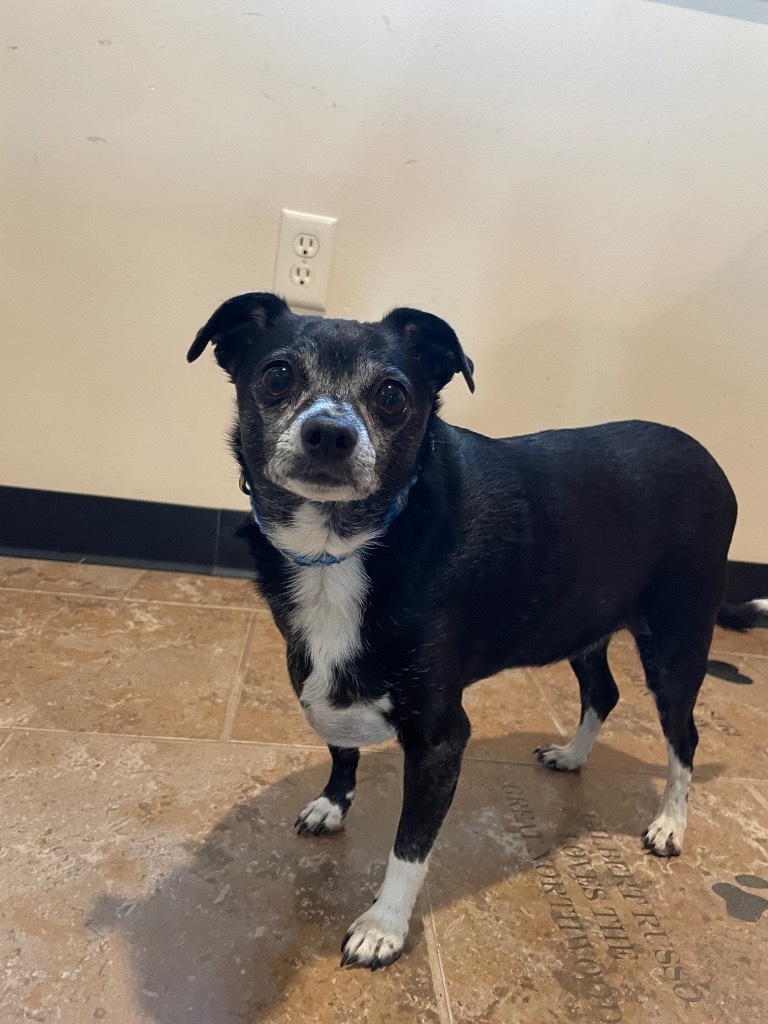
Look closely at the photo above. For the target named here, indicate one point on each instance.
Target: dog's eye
(277, 379)
(391, 398)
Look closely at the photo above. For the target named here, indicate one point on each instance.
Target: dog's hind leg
(599, 695)
(680, 614)
(674, 677)
(327, 812)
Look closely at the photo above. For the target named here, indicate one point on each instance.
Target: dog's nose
(327, 439)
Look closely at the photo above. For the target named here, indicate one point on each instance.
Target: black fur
(513, 552)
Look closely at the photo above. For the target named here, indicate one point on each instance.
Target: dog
(404, 559)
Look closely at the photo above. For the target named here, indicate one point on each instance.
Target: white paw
(560, 759)
(320, 817)
(375, 939)
(664, 836)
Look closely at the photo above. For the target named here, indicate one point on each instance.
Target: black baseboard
(746, 581)
(152, 535)
(118, 531)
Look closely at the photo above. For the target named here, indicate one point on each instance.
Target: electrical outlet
(306, 245)
(302, 276)
(303, 267)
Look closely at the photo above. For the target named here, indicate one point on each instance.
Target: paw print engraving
(743, 905)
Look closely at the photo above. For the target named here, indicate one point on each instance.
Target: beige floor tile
(509, 717)
(760, 791)
(160, 882)
(631, 741)
(753, 642)
(755, 669)
(732, 719)
(110, 666)
(268, 709)
(66, 577)
(24, 614)
(547, 909)
(186, 588)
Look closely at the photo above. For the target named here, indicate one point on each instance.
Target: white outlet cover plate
(314, 294)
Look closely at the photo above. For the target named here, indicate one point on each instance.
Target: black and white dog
(404, 559)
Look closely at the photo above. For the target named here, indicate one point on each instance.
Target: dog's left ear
(434, 343)
(255, 309)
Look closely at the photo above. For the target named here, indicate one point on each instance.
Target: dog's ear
(256, 309)
(434, 344)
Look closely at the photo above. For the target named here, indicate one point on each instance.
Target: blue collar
(399, 502)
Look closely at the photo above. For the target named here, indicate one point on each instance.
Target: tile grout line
(436, 962)
(59, 593)
(139, 574)
(133, 600)
(198, 604)
(653, 772)
(272, 745)
(237, 684)
(238, 607)
(718, 655)
(170, 739)
(547, 701)
(289, 746)
(755, 792)
(249, 608)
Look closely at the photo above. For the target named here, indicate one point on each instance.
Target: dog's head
(331, 410)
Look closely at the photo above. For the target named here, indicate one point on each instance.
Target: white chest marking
(328, 606)
(359, 725)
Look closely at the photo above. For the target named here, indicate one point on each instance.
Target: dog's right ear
(435, 345)
(254, 309)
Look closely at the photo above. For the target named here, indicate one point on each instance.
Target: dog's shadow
(225, 936)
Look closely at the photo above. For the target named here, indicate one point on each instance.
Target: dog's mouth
(321, 485)
(323, 478)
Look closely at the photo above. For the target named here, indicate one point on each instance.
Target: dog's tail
(741, 617)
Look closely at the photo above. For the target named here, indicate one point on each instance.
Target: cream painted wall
(579, 186)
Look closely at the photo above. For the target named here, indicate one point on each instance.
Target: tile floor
(153, 759)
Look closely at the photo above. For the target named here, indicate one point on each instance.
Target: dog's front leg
(326, 813)
(431, 772)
